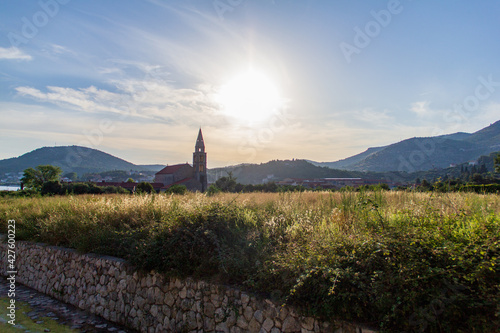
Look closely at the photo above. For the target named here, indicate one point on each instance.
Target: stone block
(307, 323)
(242, 323)
(209, 310)
(259, 316)
(254, 326)
(222, 327)
(245, 299)
(290, 324)
(169, 299)
(268, 324)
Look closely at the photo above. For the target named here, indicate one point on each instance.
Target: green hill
(77, 159)
(421, 154)
(279, 170)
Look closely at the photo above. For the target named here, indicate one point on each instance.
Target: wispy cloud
(88, 99)
(13, 53)
(422, 109)
(153, 100)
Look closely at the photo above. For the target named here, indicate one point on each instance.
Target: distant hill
(278, 170)
(421, 154)
(77, 159)
(345, 163)
(455, 171)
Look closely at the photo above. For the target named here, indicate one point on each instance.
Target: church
(193, 177)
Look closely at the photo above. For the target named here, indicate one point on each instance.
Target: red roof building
(193, 177)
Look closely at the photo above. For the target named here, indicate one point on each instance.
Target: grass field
(399, 261)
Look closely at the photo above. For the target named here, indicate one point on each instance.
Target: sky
(264, 79)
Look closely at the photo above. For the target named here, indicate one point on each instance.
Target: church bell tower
(200, 162)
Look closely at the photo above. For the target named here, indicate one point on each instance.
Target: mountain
(345, 163)
(279, 170)
(71, 159)
(421, 154)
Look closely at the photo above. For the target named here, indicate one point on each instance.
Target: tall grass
(400, 261)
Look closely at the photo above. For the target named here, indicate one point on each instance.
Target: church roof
(199, 141)
(171, 169)
(178, 182)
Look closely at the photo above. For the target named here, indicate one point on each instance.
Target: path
(38, 312)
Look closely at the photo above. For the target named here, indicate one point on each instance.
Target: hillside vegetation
(71, 159)
(398, 261)
(425, 153)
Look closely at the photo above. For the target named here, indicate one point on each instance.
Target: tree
(144, 187)
(226, 184)
(35, 177)
(130, 180)
(212, 190)
(51, 187)
(482, 169)
(497, 163)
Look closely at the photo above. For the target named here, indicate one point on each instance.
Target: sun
(249, 97)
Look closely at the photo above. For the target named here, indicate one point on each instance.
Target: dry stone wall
(111, 288)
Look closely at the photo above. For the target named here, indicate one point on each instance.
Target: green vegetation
(25, 324)
(177, 189)
(35, 178)
(399, 261)
(145, 187)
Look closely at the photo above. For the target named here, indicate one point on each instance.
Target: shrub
(52, 188)
(212, 190)
(145, 187)
(177, 189)
(208, 243)
(402, 261)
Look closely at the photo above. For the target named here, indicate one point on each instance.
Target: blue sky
(330, 78)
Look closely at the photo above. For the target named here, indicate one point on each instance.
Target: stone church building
(193, 177)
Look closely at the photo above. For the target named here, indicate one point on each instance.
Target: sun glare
(249, 97)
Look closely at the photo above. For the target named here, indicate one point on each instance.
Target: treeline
(229, 184)
(56, 188)
(44, 180)
(481, 185)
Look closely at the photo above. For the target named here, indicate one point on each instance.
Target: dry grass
(381, 257)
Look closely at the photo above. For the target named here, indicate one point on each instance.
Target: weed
(405, 261)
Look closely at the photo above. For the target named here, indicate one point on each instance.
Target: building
(193, 177)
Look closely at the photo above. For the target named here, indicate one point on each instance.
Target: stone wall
(149, 302)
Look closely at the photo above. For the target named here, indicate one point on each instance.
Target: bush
(144, 187)
(114, 190)
(402, 261)
(488, 188)
(212, 190)
(209, 243)
(52, 188)
(177, 189)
